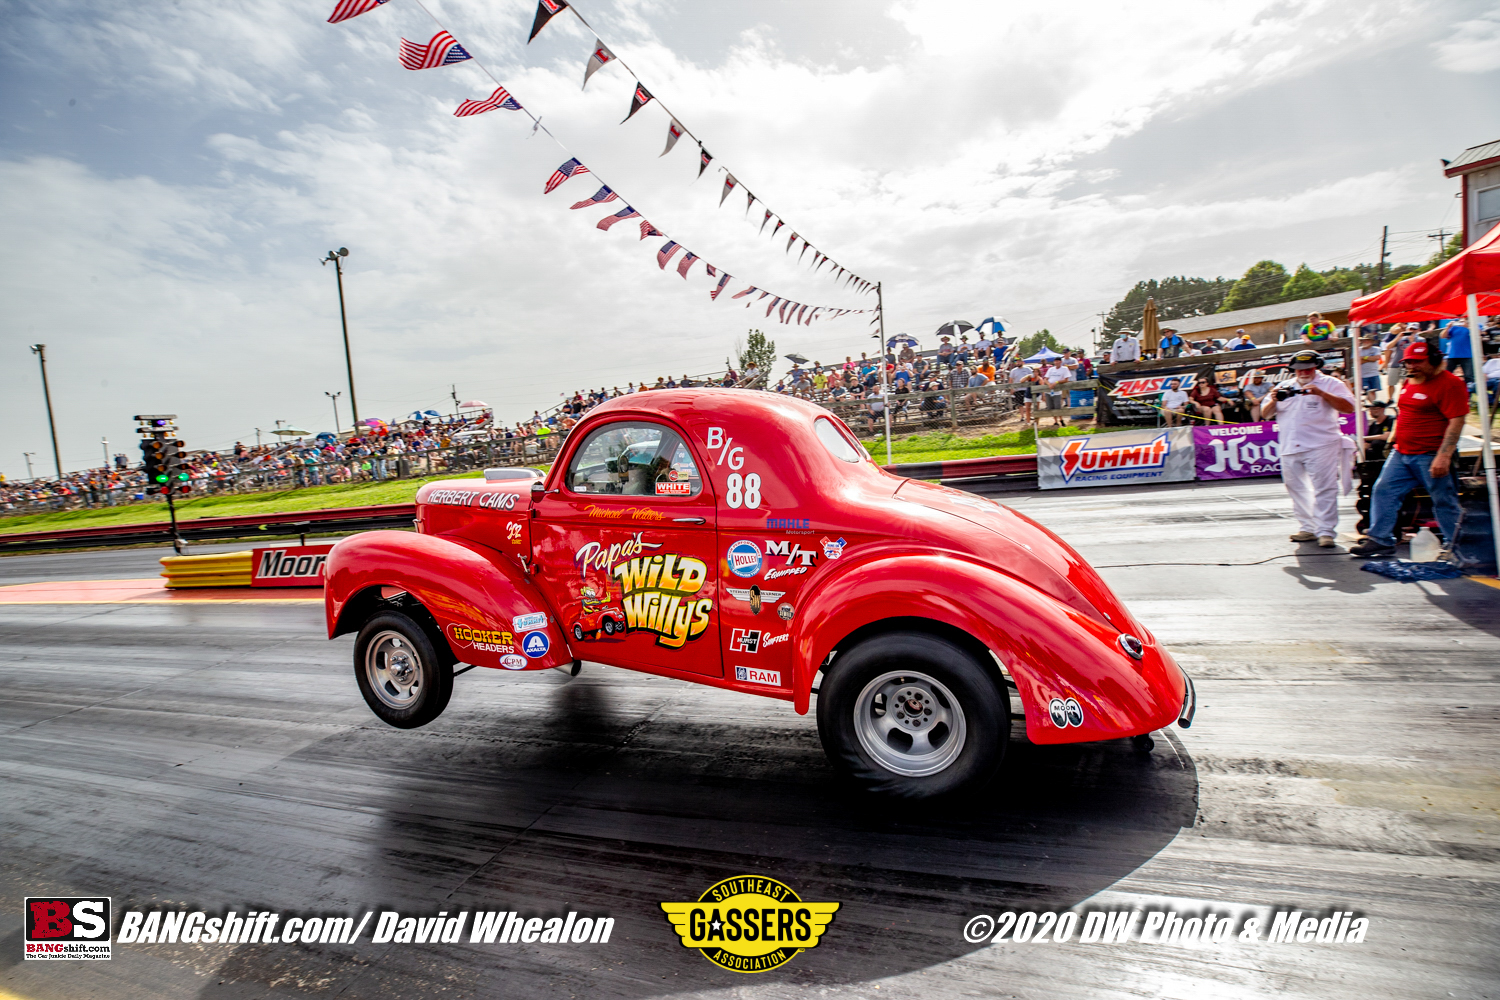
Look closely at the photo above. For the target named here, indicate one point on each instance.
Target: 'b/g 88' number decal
(746, 491)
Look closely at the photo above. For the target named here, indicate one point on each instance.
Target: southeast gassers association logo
(750, 924)
(67, 928)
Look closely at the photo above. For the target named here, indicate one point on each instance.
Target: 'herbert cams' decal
(657, 588)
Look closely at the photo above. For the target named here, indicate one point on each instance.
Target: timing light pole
(334, 396)
(338, 270)
(40, 350)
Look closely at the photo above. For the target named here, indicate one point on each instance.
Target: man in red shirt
(1429, 418)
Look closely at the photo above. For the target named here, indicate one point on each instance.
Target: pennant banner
(674, 132)
(546, 10)
(352, 8)
(729, 183)
(749, 201)
(638, 100)
(499, 99)
(570, 169)
(442, 50)
(609, 220)
(596, 61)
(704, 159)
(765, 220)
(790, 241)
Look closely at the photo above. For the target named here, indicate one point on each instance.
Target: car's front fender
(474, 594)
(1051, 651)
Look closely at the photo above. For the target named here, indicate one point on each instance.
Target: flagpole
(884, 391)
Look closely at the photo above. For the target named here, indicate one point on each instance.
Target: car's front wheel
(609, 626)
(578, 631)
(399, 672)
(912, 716)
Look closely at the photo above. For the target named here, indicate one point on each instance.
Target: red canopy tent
(1441, 292)
(1468, 283)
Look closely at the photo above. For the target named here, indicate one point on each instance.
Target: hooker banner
(1238, 451)
(1159, 455)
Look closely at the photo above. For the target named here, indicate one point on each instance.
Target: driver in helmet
(1314, 451)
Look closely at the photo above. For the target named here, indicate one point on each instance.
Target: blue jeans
(1401, 475)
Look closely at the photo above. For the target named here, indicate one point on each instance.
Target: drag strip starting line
(152, 590)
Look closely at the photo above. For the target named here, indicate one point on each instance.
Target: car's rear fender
(1049, 650)
(474, 595)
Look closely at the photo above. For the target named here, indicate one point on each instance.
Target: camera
(1289, 393)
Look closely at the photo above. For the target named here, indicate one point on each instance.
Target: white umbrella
(284, 431)
(474, 404)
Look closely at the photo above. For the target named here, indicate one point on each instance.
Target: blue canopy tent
(1045, 354)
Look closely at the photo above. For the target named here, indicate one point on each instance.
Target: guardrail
(207, 529)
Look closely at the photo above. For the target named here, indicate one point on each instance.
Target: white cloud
(1473, 47)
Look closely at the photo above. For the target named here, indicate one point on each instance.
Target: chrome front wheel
(393, 670)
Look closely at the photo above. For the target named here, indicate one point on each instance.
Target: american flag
(609, 220)
(352, 8)
(499, 99)
(773, 303)
(570, 169)
(546, 10)
(782, 314)
(720, 287)
(601, 196)
(712, 271)
(798, 316)
(741, 295)
(648, 230)
(685, 263)
(443, 50)
(664, 255)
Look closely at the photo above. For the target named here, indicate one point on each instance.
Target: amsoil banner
(1157, 455)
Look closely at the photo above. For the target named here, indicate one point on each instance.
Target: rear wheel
(912, 716)
(578, 631)
(399, 672)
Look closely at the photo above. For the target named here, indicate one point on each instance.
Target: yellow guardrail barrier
(221, 569)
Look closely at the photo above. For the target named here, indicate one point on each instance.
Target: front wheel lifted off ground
(912, 716)
(399, 672)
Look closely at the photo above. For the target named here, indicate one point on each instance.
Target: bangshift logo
(67, 928)
(1078, 457)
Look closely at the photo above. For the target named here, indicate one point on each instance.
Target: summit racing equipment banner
(1159, 455)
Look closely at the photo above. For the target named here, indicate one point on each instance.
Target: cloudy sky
(170, 174)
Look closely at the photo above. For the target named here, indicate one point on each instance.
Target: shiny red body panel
(808, 549)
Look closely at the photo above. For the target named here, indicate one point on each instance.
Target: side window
(634, 458)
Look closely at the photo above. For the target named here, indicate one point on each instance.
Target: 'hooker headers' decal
(749, 924)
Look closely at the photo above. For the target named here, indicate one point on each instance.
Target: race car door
(625, 546)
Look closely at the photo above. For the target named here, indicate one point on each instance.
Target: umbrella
(284, 431)
(368, 422)
(327, 436)
(1150, 329)
(429, 413)
(796, 359)
(473, 404)
(954, 327)
(1045, 354)
(997, 324)
(902, 340)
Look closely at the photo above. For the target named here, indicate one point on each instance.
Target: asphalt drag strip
(218, 757)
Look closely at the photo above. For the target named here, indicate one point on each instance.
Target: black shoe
(1369, 548)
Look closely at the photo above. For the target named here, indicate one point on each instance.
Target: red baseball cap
(1417, 350)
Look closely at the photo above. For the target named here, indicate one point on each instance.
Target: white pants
(1312, 479)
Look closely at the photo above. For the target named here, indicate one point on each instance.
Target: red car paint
(784, 553)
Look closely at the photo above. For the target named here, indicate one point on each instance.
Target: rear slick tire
(399, 672)
(912, 716)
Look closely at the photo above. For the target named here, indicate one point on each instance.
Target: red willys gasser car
(746, 540)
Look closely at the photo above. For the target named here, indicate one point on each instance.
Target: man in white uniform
(1306, 409)
(1125, 348)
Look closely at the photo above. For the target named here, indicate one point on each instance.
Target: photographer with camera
(1313, 450)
